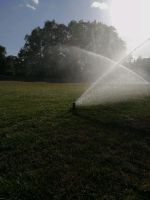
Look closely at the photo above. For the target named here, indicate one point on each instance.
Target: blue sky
(19, 17)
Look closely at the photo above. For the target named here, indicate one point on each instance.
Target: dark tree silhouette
(48, 52)
(2, 60)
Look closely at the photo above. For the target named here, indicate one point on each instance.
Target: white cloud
(30, 6)
(100, 5)
(35, 2)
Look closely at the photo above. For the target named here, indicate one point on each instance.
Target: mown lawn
(48, 152)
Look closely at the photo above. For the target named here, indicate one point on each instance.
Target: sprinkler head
(74, 106)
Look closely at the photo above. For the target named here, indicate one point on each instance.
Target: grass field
(47, 152)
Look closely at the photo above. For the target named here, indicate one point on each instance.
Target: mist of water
(116, 83)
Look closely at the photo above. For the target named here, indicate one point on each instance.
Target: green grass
(46, 152)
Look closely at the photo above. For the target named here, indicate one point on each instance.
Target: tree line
(140, 65)
(52, 53)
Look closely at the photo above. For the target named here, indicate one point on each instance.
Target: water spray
(87, 94)
(133, 50)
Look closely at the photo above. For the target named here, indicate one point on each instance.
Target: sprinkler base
(73, 107)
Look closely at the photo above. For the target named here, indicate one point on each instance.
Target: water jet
(118, 83)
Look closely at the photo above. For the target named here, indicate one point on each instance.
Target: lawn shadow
(122, 116)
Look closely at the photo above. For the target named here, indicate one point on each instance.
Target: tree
(46, 54)
(11, 66)
(2, 60)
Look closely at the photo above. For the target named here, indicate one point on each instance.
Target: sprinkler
(73, 106)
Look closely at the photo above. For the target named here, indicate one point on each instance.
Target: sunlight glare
(131, 19)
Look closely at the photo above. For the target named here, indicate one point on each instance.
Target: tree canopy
(48, 53)
(2, 59)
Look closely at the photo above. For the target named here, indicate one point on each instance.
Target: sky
(20, 17)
